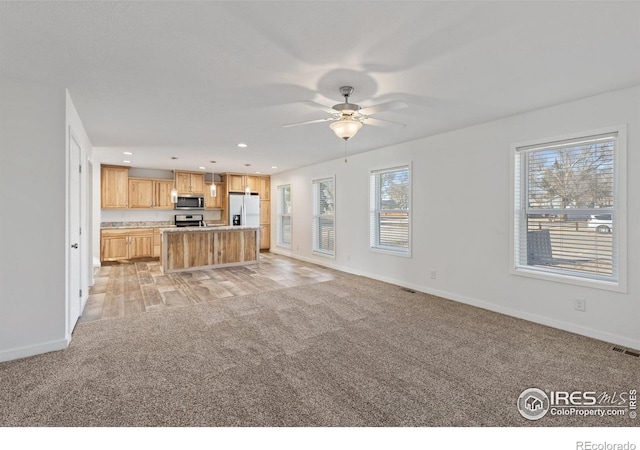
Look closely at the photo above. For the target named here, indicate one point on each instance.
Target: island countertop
(207, 228)
(193, 248)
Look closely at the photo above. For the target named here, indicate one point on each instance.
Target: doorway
(75, 252)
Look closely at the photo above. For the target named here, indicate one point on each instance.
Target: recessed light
(202, 167)
(127, 153)
(126, 161)
(274, 167)
(258, 172)
(242, 145)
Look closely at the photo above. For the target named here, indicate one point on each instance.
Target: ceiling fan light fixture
(346, 128)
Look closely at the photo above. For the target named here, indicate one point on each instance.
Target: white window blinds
(390, 200)
(566, 207)
(323, 233)
(284, 216)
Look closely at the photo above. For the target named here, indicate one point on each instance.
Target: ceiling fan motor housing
(346, 107)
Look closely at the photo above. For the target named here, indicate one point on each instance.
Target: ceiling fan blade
(389, 106)
(307, 122)
(384, 123)
(325, 108)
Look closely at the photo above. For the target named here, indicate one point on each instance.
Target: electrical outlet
(348, 256)
(580, 304)
(433, 274)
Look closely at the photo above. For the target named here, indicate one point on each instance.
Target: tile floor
(137, 287)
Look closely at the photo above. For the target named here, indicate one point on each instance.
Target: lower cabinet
(265, 237)
(113, 247)
(126, 244)
(157, 243)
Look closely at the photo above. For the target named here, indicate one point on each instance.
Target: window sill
(324, 255)
(615, 286)
(384, 251)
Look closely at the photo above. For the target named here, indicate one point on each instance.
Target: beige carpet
(348, 352)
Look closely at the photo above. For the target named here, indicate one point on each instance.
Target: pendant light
(214, 188)
(247, 190)
(174, 191)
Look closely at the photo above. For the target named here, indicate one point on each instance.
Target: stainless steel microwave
(190, 202)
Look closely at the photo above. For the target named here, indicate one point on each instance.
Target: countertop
(129, 225)
(208, 228)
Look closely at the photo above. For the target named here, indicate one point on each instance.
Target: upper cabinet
(256, 184)
(117, 190)
(264, 188)
(235, 183)
(162, 194)
(252, 182)
(211, 202)
(114, 187)
(148, 193)
(189, 182)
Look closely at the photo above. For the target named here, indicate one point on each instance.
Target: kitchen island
(193, 248)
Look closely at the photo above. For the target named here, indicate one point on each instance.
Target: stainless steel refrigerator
(244, 210)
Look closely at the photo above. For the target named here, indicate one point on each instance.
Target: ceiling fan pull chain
(345, 151)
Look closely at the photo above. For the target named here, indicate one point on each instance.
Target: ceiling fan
(347, 118)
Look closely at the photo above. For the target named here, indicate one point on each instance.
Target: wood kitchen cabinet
(113, 246)
(148, 193)
(119, 244)
(189, 182)
(265, 237)
(252, 182)
(141, 244)
(235, 183)
(162, 194)
(265, 222)
(265, 212)
(238, 183)
(264, 188)
(140, 193)
(157, 243)
(114, 187)
(211, 202)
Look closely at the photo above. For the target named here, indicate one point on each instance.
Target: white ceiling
(192, 79)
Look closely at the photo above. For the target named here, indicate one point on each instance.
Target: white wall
(461, 222)
(32, 187)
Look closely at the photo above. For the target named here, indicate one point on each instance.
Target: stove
(189, 220)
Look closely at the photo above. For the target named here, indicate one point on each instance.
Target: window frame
(281, 214)
(518, 211)
(374, 211)
(316, 217)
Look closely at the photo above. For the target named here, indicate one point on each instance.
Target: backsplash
(136, 224)
(146, 215)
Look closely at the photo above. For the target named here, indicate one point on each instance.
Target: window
(324, 203)
(568, 209)
(390, 200)
(284, 216)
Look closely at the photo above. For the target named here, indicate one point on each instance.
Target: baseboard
(535, 318)
(32, 350)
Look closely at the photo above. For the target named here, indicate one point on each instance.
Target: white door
(75, 265)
